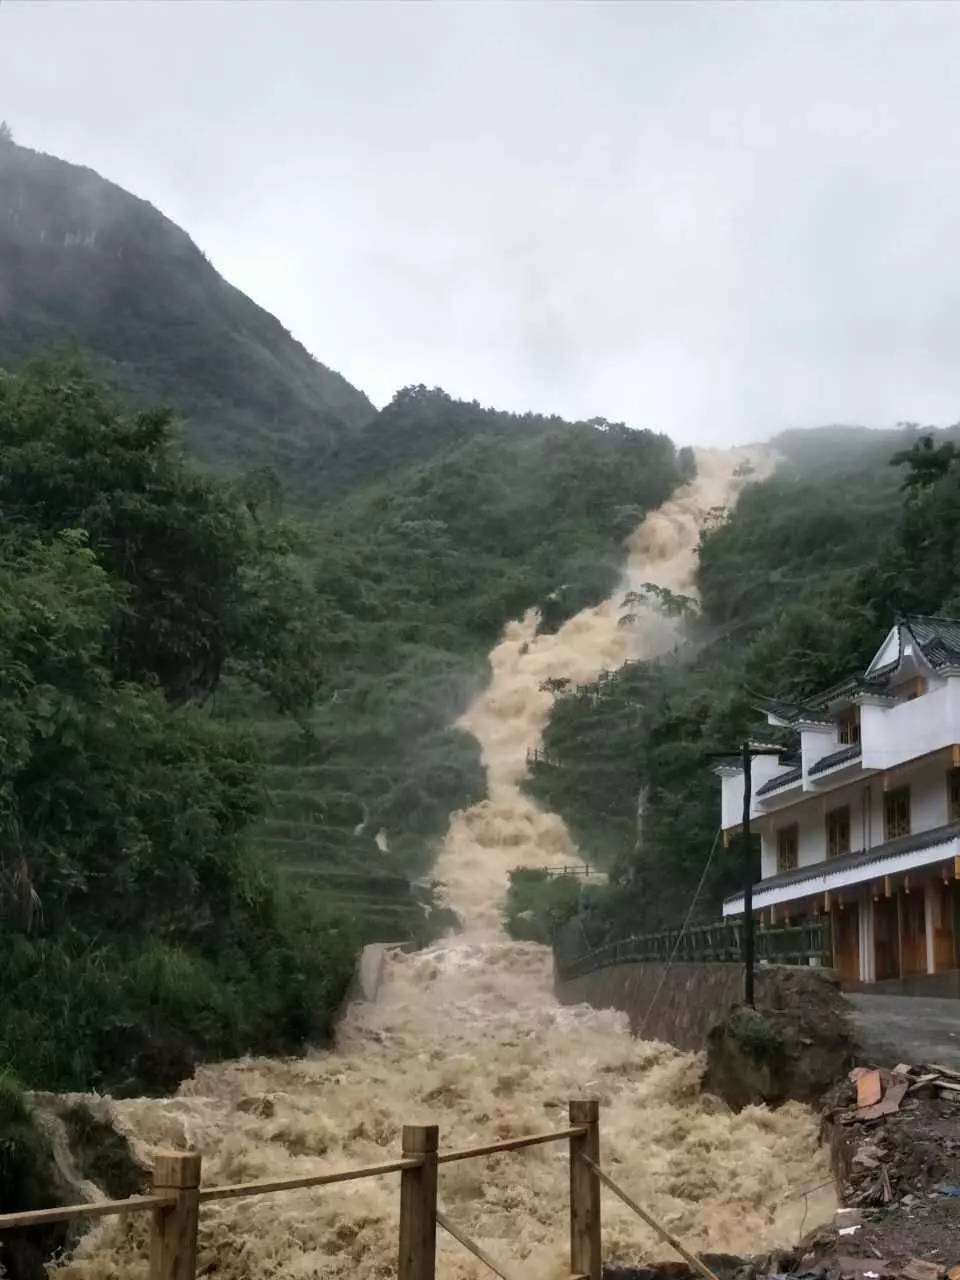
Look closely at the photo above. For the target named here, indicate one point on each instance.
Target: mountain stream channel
(468, 1034)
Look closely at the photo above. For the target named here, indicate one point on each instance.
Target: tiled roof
(836, 757)
(781, 780)
(779, 707)
(845, 688)
(861, 858)
(939, 638)
(939, 641)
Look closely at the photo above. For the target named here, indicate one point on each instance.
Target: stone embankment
(800, 1046)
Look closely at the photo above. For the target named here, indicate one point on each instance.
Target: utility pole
(746, 753)
(747, 879)
(748, 949)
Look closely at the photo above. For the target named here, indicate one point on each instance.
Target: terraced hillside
(316, 829)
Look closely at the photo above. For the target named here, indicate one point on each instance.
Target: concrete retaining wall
(693, 996)
(368, 975)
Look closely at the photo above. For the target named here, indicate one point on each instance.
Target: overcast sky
(716, 219)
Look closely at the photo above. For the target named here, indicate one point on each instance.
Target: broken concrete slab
(919, 1269)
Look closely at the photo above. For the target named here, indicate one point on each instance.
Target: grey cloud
(719, 219)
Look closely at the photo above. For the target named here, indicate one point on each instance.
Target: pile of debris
(895, 1143)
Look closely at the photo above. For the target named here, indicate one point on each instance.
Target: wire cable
(683, 929)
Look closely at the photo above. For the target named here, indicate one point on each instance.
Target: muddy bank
(794, 1045)
(56, 1151)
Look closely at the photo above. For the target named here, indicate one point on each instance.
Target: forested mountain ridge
(83, 263)
(418, 424)
(284, 694)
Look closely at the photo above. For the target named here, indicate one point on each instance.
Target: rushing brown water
(468, 1034)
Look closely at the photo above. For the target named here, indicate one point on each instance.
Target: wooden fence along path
(177, 1195)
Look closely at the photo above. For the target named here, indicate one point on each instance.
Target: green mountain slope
(84, 263)
(419, 424)
(414, 576)
(796, 583)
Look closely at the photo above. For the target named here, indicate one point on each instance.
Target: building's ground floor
(893, 910)
(894, 928)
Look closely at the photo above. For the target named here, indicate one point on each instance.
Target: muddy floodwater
(468, 1035)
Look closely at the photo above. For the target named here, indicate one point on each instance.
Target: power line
(683, 929)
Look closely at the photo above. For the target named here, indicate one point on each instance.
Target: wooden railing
(583, 870)
(787, 944)
(177, 1195)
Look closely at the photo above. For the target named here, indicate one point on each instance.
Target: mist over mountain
(86, 265)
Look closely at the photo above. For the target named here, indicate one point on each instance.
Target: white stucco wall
(928, 809)
(928, 797)
(817, 743)
(762, 769)
(893, 735)
(731, 800)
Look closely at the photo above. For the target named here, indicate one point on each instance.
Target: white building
(862, 820)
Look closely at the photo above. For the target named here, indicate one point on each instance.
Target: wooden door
(913, 932)
(846, 942)
(885, 939)
(944, 946)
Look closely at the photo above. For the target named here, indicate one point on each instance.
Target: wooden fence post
(585, 1253)
(418, 1205)
(173, 1235)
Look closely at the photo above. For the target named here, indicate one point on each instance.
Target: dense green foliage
(448, 550)
(538, 903)
(28, 1180)
(799, 584)
(87, 264)
(160, 631)
(415, 577)
(138, 929)
(347, 652)
(421, 423)
(201, 570)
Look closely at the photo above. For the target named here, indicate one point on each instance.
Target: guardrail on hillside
(581, 870)
(808, 943)
(177, 1196)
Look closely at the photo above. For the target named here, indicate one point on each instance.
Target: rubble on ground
(895, 1143)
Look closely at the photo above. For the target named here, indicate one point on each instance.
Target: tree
(137, 929)
(108, 799)
(6, 134)
(199, 567)
(926, 464)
